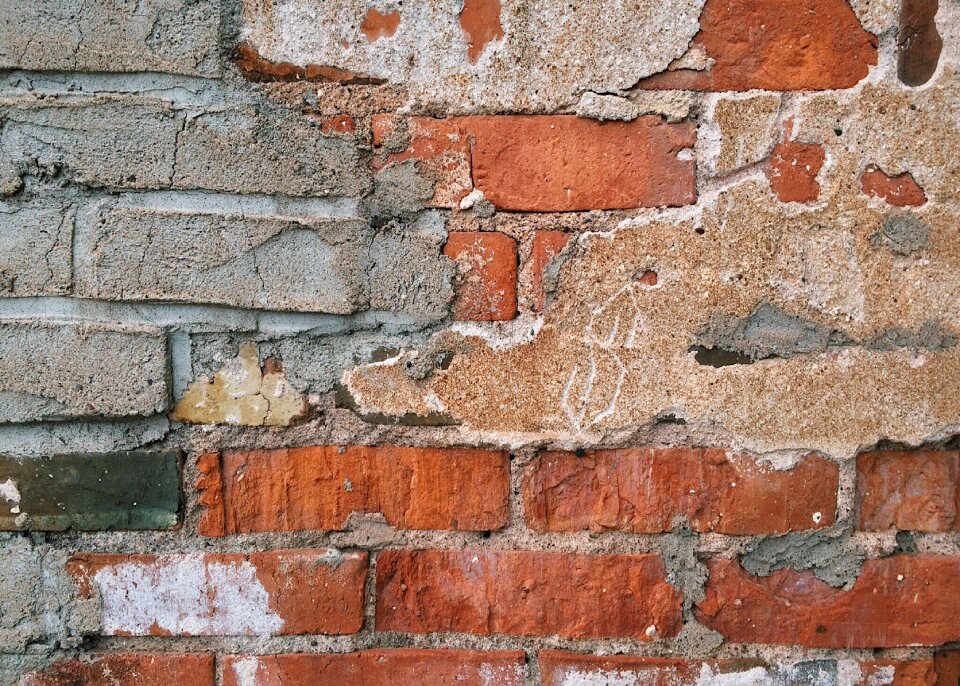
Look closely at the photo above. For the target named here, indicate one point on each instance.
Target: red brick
(792, 171)
(896, 601)
(565, 163)
(643, 491)
(776, 45)
(480, 21)
(439, 145)
(912, 673)
(341, 124)
(319, 487)
(947, 665)
(379, 668)
(526, 593)
(260, 594)
(900, 190)
(487, 264)
(561, 668)
(377, 25)
(128, 669)
(914, 490)
(546, 246)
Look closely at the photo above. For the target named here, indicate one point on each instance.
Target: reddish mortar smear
(900, 190)
(377, 25)
(255, 68)
(480, 21)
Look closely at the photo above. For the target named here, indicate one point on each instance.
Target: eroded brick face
(479, 342)
(644, 491)
(526, 594)
(319, 488)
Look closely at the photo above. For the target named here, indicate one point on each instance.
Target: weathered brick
(792, 171)
(240, 150)
(378, 668)
(918, 41)
(947, 664)
(896, 601)
(441, 147)
(900, 190)
(52, 370)
(546, 246)
(128, 142)
(101, 141)
(572, 669)
(336, 265)
(776, 45)
(35, 241)
(487, 263)
(176, 36)
(142, 669)
(318, 488)
(261, 594)
(525, 593)
(565, 163)
(643, 491)
(315, 265)
(90, 492)
(912, 490)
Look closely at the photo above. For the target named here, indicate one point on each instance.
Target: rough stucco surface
(542, 62)
(496, 341)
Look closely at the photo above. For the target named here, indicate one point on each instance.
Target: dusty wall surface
(488, 342)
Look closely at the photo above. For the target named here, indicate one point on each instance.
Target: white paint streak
(10, 493)
(757, 676)
(597, 678)
(503, 675)
(245, 671)
(185, 595)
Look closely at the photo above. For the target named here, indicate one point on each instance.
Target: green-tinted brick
(91, 492)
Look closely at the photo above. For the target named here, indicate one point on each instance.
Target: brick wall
(480, 342)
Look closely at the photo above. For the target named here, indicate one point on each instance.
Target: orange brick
(319, 487)
(526, 593)
(404, 667)
(897, 601)
(643, 491)
(261, 594)
(487, 264)
(546, 246)
(913, 490)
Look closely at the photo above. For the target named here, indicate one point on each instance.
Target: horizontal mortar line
(254, 204)
(199, 317)
(369, 638)
(194, 90)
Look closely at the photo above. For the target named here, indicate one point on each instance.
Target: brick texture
(318, 488)
(143, 669)
(526, 594)
(546, 246)
(566, 669)
(378, 668)
(487, 287)
(260, 594)
(792, 171)
(914, 491)
(644, 491)
(896, 601)
(776, 45)
(562, 163)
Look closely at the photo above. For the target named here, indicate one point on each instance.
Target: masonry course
(484, 342)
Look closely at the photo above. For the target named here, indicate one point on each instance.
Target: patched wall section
(489, 342)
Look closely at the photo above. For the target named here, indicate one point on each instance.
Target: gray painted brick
(35, 241)
(90, 492)
(176, 36)
(51, 370)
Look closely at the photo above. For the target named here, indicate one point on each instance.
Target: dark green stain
(91, 492)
